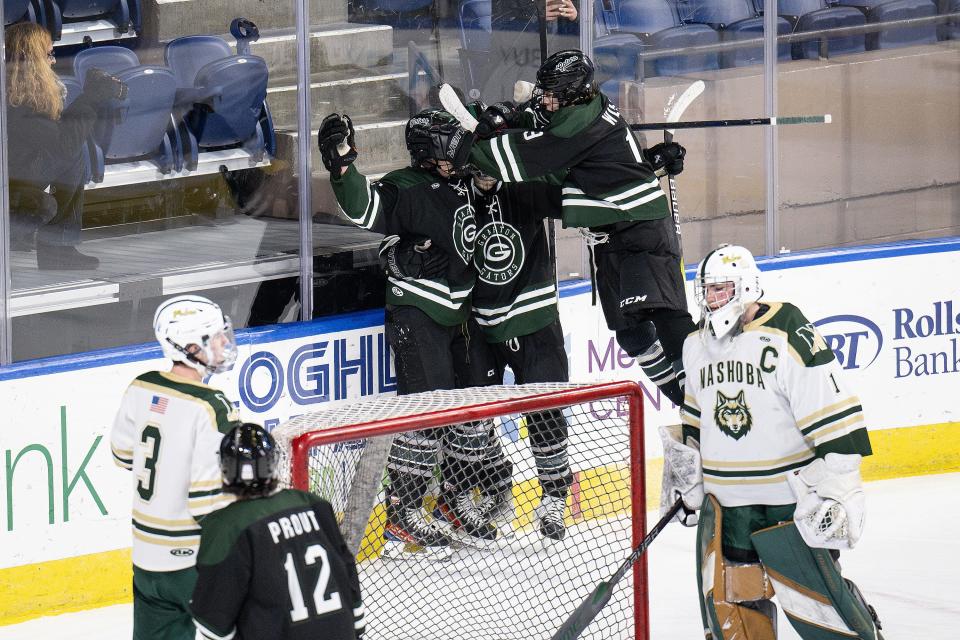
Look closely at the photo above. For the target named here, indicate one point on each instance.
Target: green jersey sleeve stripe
(752, 474)
(525, 308)
(499, 159)
(202, 494)
(511, 157)
(211, 635)
(629, 193)
(643, 200)
(166, 533)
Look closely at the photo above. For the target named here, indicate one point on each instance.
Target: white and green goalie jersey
(765, 402)
(167, 432)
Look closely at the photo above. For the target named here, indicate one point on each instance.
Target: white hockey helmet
(732, 264)
(194, 331)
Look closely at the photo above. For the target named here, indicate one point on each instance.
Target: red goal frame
(301, 445)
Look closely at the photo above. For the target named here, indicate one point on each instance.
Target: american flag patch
(158, 404)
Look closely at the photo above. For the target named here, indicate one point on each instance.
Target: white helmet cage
(185, 321)
(727, 263)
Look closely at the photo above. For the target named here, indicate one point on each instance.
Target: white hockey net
(522, 585)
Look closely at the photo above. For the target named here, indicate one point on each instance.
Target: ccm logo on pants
(631, 300)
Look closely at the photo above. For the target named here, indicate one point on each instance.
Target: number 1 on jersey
(321, 604)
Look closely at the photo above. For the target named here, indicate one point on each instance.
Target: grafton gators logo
(465, 232)
(500, 254)
(732, 415)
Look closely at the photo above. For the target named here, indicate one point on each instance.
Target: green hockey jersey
(276, 567)
(765, 402)
(591, 150)
(515, 294)
(413, 202)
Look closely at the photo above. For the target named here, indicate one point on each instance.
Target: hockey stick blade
(691, 93)
(741, 122)
(452, 104)
(597, 600)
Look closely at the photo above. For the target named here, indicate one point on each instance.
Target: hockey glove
(496, 118)
(682, 476)
(103, 87)
(456, 148)
(412, 258)
(830, 501)
(665, 158)
(336, 139)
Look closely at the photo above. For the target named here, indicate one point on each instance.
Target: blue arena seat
(123, 14)
(716, 13)
(793, 9)
(687, 35)
(17, 11)
(751, 28)
(951, 30)
(475, 24)
(109, 58)
(831, 18)
(643, 17)
(901, 36)
(221, 99)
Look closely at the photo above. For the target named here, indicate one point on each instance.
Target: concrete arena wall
(65, 534)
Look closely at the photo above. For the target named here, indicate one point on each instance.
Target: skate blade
(400, 550)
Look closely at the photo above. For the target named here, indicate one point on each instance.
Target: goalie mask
(194, 331)
(567, 77)
(727, 282)
(429, 136)
(248, 460)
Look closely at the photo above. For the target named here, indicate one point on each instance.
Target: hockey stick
(597, 600)
(454, 106)
(742, 122)
(672, 113)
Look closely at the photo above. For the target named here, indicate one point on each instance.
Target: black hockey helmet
(568, 77)
(248, 460)
(428, 136)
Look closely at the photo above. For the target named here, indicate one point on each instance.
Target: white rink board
(302, 367)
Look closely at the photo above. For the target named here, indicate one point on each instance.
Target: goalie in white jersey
(769, 454)
(168, 432)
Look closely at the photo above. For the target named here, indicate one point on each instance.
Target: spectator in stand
(46, 144)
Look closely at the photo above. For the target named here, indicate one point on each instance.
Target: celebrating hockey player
(515, 306)
(769, 453)
(167, 432)
(273, 564)
(425, 206)
(611, 189)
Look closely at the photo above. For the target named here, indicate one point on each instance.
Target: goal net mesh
(521, 584)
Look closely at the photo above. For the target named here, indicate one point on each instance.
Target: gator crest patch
(732, 415)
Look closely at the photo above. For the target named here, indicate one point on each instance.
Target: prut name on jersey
(296, 524)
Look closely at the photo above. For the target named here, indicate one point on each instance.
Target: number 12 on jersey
(321, 603)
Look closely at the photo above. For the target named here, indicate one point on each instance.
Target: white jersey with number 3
(764, 402)
(168, 432)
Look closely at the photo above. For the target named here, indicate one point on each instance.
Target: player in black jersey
(611, 189)
(273, 564)
(425, 206)
(515, 307)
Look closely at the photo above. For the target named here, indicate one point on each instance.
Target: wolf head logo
(732, 415)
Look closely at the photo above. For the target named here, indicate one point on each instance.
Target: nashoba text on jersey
(738, 371)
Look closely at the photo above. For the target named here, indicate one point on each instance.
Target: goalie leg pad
(818, 601)
(725, 587)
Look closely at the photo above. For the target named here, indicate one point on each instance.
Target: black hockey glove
(665, 158)
(412, 258)
(456, 147)
(337, 142)
(496, 118)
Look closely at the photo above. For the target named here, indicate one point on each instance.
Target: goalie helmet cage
(521, 585)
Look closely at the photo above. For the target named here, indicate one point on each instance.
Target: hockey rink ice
(906, 564)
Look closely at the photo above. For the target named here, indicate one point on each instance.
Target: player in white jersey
(769, 454)
(168, 432)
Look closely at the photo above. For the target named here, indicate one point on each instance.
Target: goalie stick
(672, 113)
(597, 600)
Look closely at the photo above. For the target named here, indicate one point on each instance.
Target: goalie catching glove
(682, 476)
(412, 258)
(665, 158)
(336, 139)
(830, 501)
